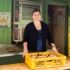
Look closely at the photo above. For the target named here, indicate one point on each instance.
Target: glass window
(27, 10)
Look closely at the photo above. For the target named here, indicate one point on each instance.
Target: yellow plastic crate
(44, 59)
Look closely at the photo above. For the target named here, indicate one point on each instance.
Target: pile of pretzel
(39, 55)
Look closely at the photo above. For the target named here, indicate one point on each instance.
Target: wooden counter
(23, 66)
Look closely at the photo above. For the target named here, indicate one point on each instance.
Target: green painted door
(5, 35)
(5, 25)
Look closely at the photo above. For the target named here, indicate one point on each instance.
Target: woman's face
(36, 16)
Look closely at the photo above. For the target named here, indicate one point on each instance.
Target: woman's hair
(36, 10)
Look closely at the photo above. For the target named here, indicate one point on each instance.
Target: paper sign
(5, 18)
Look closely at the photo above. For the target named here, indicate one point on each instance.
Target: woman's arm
(25, 40)
(25, 50)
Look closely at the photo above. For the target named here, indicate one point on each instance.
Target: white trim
(10, 54)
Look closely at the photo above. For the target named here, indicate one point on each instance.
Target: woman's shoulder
(44, 23)
(29, 24)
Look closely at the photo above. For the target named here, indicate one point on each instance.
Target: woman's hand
(54, 47)
(25, 52)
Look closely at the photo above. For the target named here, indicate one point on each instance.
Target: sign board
(5, 18)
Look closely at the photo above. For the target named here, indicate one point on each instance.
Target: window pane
(27, 10)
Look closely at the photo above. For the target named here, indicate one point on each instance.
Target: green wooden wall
(5, 32)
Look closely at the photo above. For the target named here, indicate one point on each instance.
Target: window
(26, 9)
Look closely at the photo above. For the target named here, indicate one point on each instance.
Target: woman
(36, 34)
